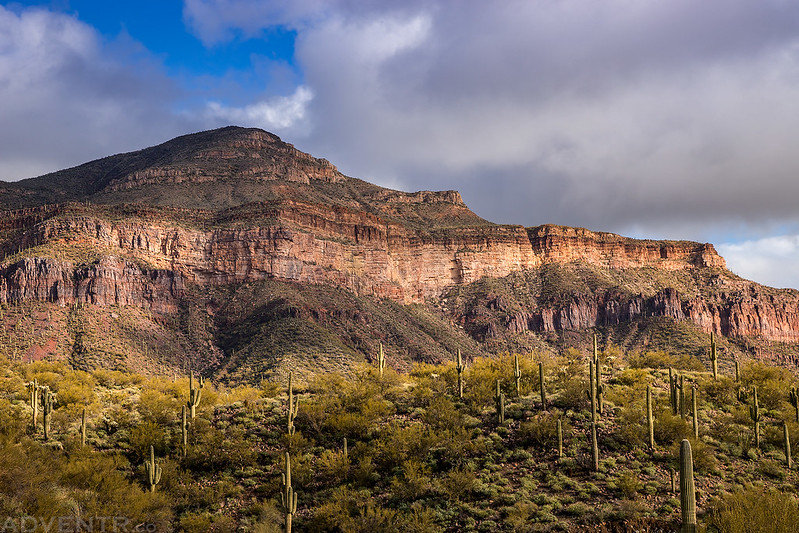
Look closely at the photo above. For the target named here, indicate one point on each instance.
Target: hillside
(234, 253)
(378, 452)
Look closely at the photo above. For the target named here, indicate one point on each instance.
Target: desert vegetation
(518, 442)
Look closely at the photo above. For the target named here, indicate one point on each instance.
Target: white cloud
(67, 99)
(772, 260)
(275, 114)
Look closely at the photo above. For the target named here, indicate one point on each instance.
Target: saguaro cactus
(793, 397)
(600, 388)
(786, 440)
(714, 356)
(381, 360)
(560, 438)
(499, 399)
(83, 427)
(592, 389)
(195, 394)
(184, 430)
(650, 423)
(541, 386)
(153, 470)
(288, 498)
(755, 415)
(517, 376)
(673, 379)
(48, 398)
(695, 418)
(460, 368)
(594, 448)
(737, 371)
(293, 406)
(34, 389)
(687, 489)
(683, 407)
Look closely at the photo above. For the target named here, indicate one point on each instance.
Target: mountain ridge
(165, 227)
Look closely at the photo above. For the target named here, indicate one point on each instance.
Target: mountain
(234, 253)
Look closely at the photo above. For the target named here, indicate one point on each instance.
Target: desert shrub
(333, 466)
(628, 484)
(720, 391)
(773, 383)
(661, 359)
(631, 428)
(213, 449)
(572, 393)
(202, 522)
(541, 431)
(413, 482)
(419, 520)
(669, 428)
(159, 408)
(13, 420)
(457, 484)
(397, 443)
(344, 408)
(753, 509)
(441, 413)
(144, 435)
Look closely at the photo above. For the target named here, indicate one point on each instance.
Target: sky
(651, 119)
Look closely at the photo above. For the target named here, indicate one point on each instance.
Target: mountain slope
(325, 267)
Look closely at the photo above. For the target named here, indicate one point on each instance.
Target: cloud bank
(653, 119)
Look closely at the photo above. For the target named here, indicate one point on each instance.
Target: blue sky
(646, 118)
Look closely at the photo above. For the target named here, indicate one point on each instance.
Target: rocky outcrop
(111, 281)
(772, 317)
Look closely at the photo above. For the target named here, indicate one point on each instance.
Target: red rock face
(368, 254)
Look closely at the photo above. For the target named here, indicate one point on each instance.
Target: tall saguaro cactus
(737, 371)
(594, 448)
(600, 388)
(34, 389)
(153, 470)
(650, 423)
(695, 418)
(683, 406)
(591, 392)
(184, 430)
(541, 386)
(293, 406)
(195, 394)
(83, 427)
(786, 440)
(517, 375)
(755, 415)
(460, 368)
(793, 397)
(560, 438)
(687, 489)
(288, 498)
(48, 399)
(673, 386)
(499, 399)
(714, 356)
(381, 360)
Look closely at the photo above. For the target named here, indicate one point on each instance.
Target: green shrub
(753, 509)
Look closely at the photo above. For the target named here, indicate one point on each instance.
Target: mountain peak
(225, 168)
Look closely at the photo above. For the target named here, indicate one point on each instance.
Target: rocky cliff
(296, 218)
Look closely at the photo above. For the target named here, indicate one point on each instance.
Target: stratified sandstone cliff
(236, 206)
